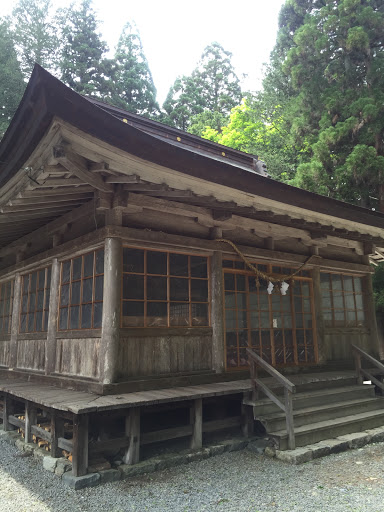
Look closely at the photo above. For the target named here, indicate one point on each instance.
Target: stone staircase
(325, 406)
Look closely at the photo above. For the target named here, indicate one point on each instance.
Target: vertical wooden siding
(145, 356)
(31, 354)
(78, 357)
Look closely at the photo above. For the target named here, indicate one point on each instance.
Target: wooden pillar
(80, 445)
(110, 333)
(217, 309)
(197, 424)
(132, 430)
(30, 419)
(376, 348)
(57, 431)
(9, 410)
(15, 322)
(247, 420)
(50, 345)
(323, 350)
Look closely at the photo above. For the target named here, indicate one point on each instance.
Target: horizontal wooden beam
(48, 198)
(65, 444)
(108, 444)
(133, 178)
(169, 240)
(44, 206)
(62, 182)
(41, 432)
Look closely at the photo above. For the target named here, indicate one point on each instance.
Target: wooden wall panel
(31, 354)
(148, 356)
(78, 357)
(337, 344)
(4, 352)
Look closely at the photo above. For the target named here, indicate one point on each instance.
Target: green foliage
(11, 78)
(83, 64)
(255, 130)
(206, 97)
(378, 288)
(183, 101)
(34, 35)
(134, 89)
(332, 54)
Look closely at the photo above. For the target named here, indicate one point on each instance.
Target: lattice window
(278, 327)
(35, 288)
(164, 289)
(6, 302)
(342, 300)
(81, 291)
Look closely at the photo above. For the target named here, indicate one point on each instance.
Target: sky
(175, 33)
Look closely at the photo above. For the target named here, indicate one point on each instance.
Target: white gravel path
(234, 482)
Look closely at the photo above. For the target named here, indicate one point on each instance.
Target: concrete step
(328, 446)
(308, 415)
(314, 398)
(315, 432)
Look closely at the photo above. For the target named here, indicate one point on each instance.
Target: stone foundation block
(109, 475)
(172, 460)
(217, 449)
(205, 453)
(50, 463)
(39, 453)
(297, 456)
(258, 445)
(270, 452)
(336, 445)
(63, 465)
(320, 449)
(356, 440)
(80, 482)
(128, 471)
(29, 448)
(377, 434)
(19, 443)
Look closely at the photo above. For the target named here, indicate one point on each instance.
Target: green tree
(34, 34)
(206, 97)
(184, 100)
(333, 55)
(253, 129)
(83, 65)
(134, 89)
(11, 78)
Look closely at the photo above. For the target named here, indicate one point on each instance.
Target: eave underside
(71, 172)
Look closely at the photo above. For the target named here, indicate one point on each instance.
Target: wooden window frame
(168, 301)
(80, 280)
(32, 308)
(344, 292)
(277, 269)
(3, 307)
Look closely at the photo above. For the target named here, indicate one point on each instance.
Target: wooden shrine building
(119, 274)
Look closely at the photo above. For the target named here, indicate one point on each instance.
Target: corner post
(197, 424)
(15, 322)
(50, 348)
(132, 430)
(217, 290)
(80, 445)
(110, 332)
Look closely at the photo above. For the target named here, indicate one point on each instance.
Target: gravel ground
(233, 482)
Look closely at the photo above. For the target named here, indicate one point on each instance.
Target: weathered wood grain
(147, 356)
(78, 357)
